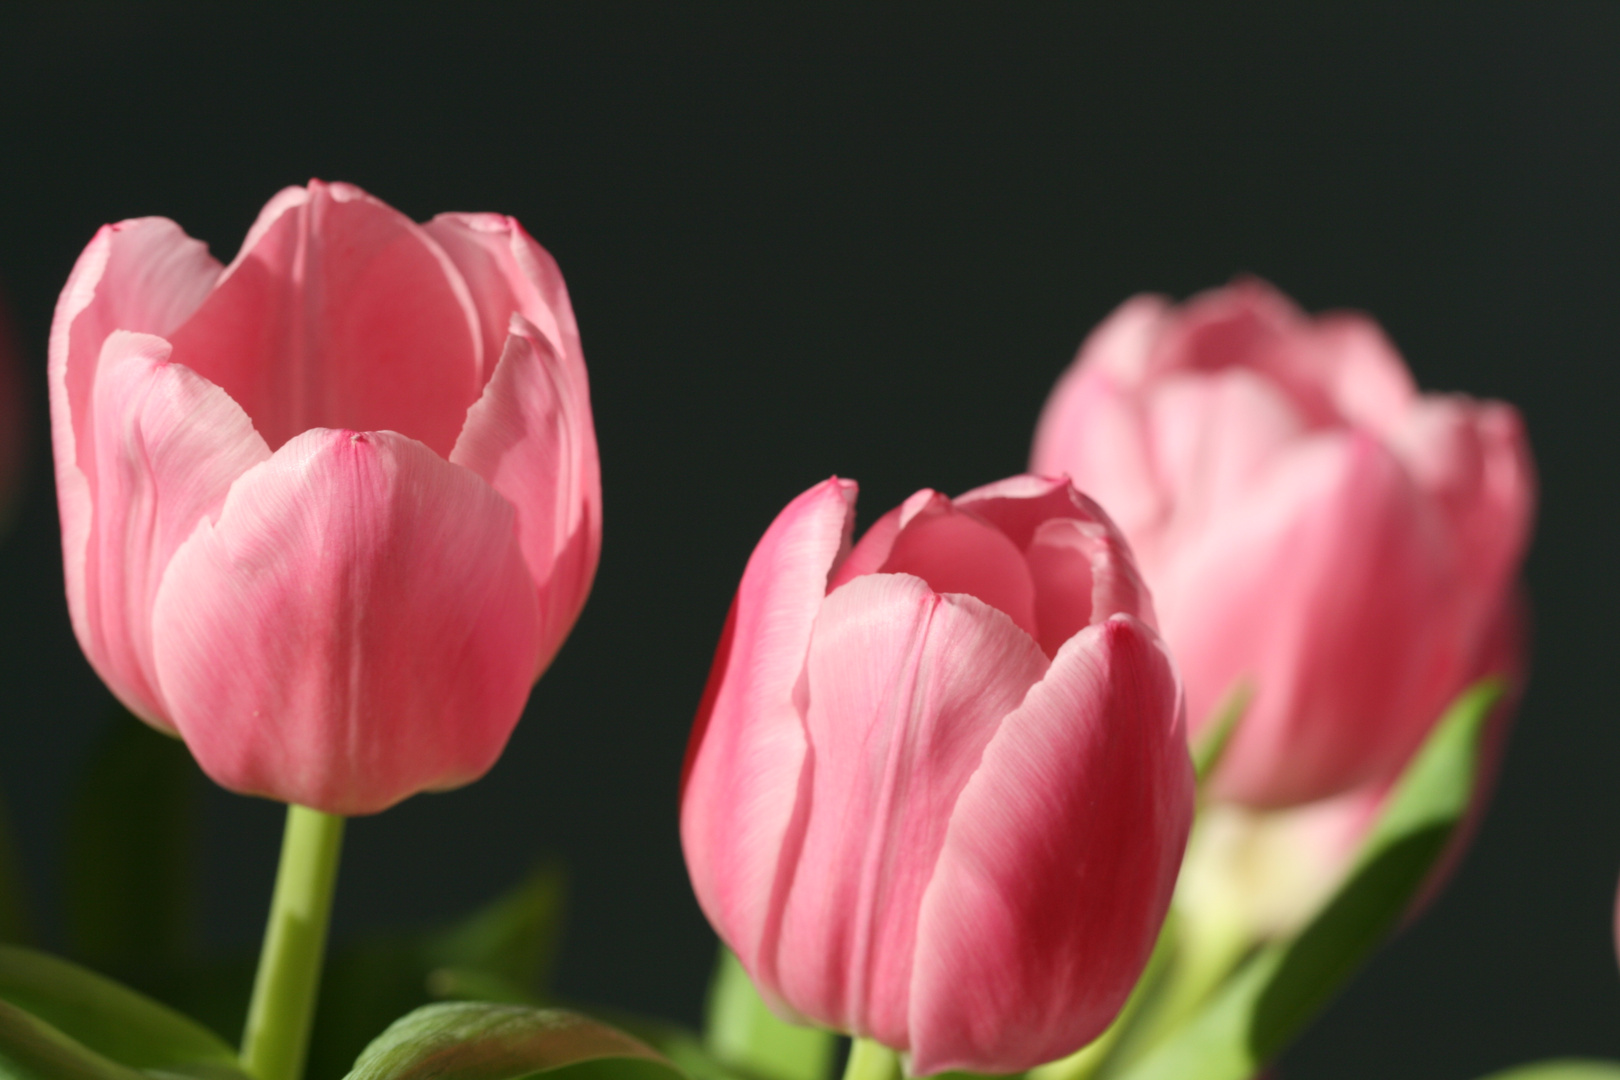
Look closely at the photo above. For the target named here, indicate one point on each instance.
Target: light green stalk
(276, 1038)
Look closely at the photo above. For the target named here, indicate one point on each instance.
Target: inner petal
(340, 312)
(1060, 566)
(956, 552)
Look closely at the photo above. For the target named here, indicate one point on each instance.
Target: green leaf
(513, 939)
(1272, 997)
(31, 1049)
(1561, 1069)
(468, 1040)
(740, 1030)
(105, 1018)
(130, 851)
(502, 952)
(1211, 746)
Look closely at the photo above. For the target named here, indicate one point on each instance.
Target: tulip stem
(283, 1006)
(871, 1060)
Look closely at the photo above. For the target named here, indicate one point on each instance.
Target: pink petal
(1473, 459)
(167, 445)
(904, 688)
(340, 312)
(1213, 436)
(507, 272)
(872, 551)
(144, 275)
(1331, 590)
(747, 753)
(356, 626)
(531, 436)
(956, 552)
(1366, 377)
(1092, 429)
(1058, 864)
(1022, 506)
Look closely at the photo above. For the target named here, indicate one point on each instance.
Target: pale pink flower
(329, 511)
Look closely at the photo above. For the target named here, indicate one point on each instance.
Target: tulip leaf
(512, 939)
(130, 851)
(31, 1049)
(1211, 745)
(502, 952)
(1561, 1069)
(467, 1040)
(59, 1004)
(1278, 991)
(741, 1032)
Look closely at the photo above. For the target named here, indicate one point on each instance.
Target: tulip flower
(329, 511)
(938, 788)
(1310, 525)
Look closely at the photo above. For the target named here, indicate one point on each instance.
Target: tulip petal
(506, 272)
(957, 552)
(1058, 863)
(530, 436)
(904, 688)
(340, 312)
(872, 550)
(357, 625)
(1298, 588)
(144, 275)
(1023, 506)
(1473, 459)
(167, 445)
(1091, 429)
(746, 757)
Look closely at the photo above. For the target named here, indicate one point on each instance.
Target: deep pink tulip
(938, 789)
(1307, 521)
(328, 511)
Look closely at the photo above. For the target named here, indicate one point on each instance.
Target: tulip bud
(1309, 524)
(329, 511)
(938, 787)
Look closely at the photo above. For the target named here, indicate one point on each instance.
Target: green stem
(283, 1006)
(871, 1060)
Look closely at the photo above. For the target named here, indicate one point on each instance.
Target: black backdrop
(865, 240)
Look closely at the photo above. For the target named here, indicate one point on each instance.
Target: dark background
(865, 241)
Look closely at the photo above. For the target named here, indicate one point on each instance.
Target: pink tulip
(328, 511)
(938, 788)
(1309, 524)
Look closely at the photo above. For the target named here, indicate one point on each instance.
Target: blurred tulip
(1308, 522)
(329, 511)
(938, 788)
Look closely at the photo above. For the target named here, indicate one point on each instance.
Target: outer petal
(506, 272)
(747, 754)
(531, 436)
(1330, 587)
(144, 275)
(905, 687)
(1473, 459)
(1058, 864)
(340, 312)
(167, 444)
(1092, 429)
(356, 626)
